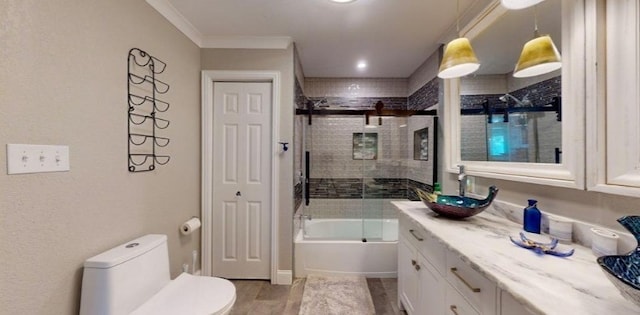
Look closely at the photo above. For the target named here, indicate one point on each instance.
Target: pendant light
(538, 56)
(459, 58)
(519, 4)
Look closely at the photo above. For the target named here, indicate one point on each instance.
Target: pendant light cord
(536, 34)
(458, 18)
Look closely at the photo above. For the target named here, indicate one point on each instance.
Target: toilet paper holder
(190, 226)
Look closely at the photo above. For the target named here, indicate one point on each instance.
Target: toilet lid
(191, 295)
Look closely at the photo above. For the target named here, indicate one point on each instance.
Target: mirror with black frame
(509, 119)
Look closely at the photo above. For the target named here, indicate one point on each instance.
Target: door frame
(208, 78)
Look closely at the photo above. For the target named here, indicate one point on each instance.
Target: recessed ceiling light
(342, 1)
(361, 65)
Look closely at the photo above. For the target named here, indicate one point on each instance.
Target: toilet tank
(121, 279)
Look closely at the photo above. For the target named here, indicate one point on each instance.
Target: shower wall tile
(300, 99)
(355, 87)
(541, 93)
(473, 146)
(332, 188)
(412, 185)
(484, 84)
(351, 209)
(473, 127)
(298, 148)
(297, 192)
(331, 143)
(357, 188)
(359, 103)
(425, 97)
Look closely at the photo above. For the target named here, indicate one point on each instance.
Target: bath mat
(347, 295)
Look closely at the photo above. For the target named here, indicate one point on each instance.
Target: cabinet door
(407, 277)
(623, 66)
(613, 151)
(432, 287)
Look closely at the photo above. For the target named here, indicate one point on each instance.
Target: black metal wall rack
(143, 88)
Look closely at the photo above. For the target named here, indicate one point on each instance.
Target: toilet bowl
(188, 294)
(133, 278)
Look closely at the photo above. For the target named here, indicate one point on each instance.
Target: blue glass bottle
(532, 217)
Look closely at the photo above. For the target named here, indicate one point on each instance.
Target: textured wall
(271, 60)
(63, 81)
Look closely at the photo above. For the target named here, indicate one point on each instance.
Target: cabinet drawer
(456, 304)
(478, 290)
(426, 244)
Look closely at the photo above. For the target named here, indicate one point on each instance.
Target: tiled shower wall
(341, 186)
(540, 91)
(355, 87)
(298, 145)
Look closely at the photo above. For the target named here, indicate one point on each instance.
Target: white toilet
(133, 278)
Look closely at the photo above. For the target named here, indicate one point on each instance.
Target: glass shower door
(383, 176)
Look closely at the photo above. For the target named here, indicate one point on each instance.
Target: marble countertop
(546, 284)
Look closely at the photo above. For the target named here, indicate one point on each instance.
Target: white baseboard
(198, 272)
(284, 277)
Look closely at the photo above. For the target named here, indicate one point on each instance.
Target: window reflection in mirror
(511, 119)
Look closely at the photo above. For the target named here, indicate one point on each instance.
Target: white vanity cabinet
(434, 280)
(420, 285)
(457, 267)
(613, 149)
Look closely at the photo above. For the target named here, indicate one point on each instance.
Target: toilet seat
(191, 295)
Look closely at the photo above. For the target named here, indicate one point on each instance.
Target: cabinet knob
(417, 267)
(413, 262)
(454, 309)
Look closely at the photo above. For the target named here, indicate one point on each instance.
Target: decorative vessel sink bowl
(456, 207)
(624, 270)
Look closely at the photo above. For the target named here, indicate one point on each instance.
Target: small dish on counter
(541, 247)
(624, 270)
(456, 207)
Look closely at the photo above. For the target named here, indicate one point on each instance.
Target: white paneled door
(242, 180)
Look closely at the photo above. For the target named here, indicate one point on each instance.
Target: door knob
(238, 194)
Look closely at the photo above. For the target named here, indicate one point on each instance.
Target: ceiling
(392, 36)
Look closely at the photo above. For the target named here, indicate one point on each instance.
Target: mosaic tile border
(376, 188)
(361, 102)
(425, 97)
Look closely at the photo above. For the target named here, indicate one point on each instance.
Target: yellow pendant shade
(459, 59)
(539, 56)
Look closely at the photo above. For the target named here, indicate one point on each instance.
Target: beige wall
(272, 60)
(63, 68)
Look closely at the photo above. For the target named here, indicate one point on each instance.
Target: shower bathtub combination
(351, 168)
(333, 247)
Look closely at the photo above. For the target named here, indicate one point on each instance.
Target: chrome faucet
(462, 180)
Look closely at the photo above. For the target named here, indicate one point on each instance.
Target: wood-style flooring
(256, 297)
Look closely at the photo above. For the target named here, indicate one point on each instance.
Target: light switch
(35, 158)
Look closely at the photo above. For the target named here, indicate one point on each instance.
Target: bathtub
(334, 247)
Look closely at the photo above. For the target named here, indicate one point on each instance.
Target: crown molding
(166, 9)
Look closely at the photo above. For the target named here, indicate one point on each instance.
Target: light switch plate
(36, 158)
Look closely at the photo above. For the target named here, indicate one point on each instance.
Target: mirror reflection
(510, 119)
